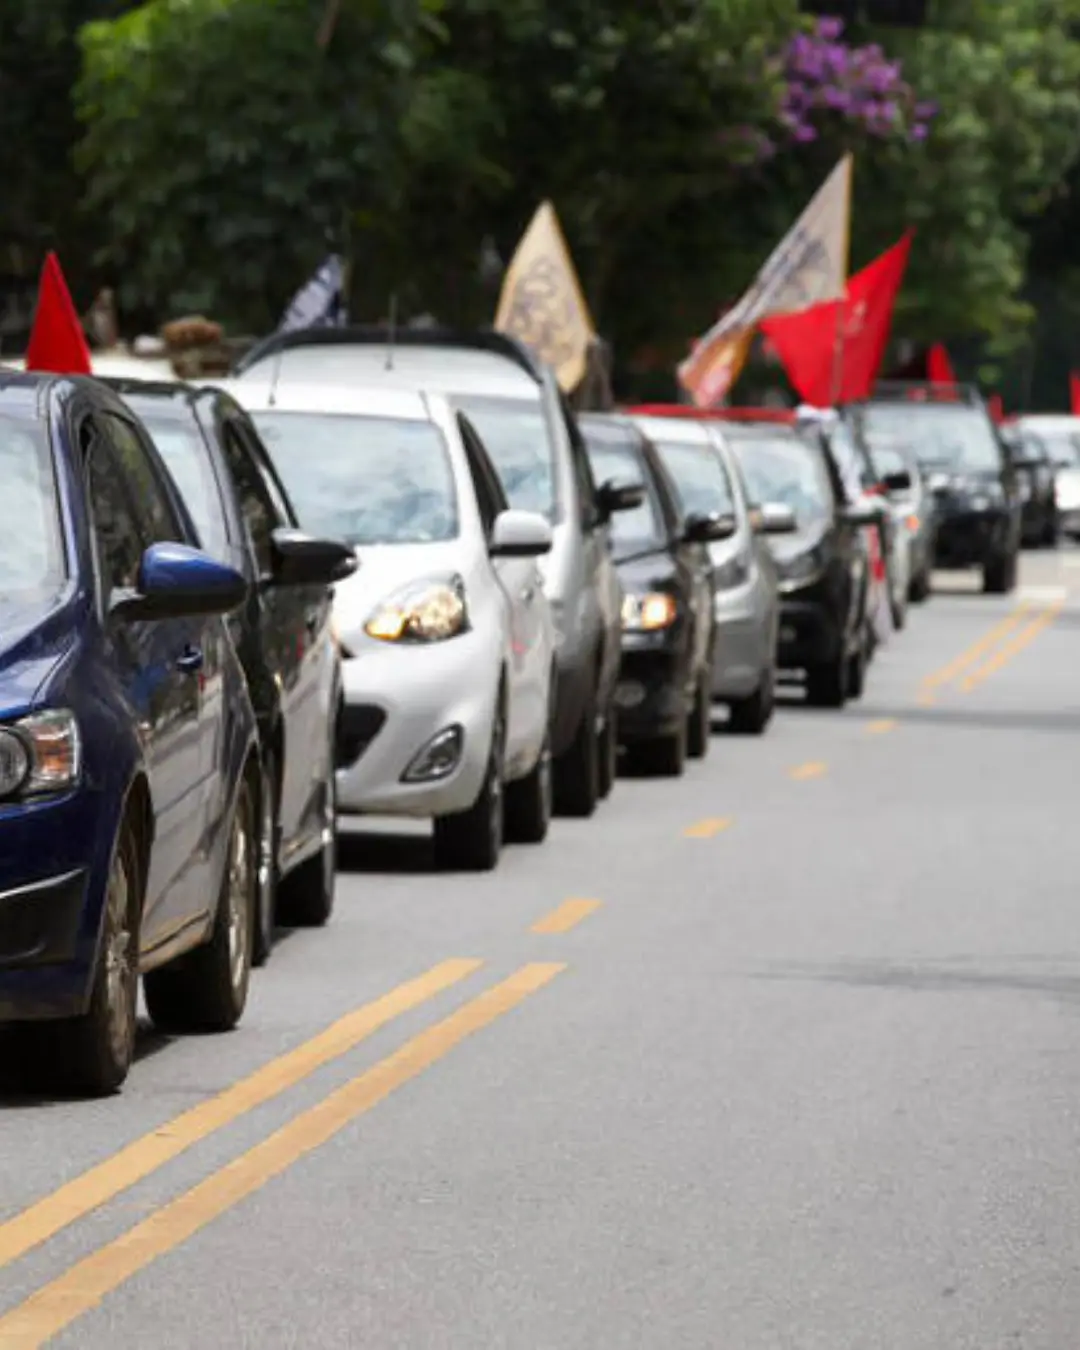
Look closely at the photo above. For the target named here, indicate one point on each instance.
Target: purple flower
(919, 132)
(924, 111)
(805, 133)
(830, 29)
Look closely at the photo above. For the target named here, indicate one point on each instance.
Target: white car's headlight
(424, 611)
(40, 753)
(649, 612)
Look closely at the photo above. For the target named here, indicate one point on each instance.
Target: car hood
(653, 571)
(786, 547)
(384, 569)
(35, 634)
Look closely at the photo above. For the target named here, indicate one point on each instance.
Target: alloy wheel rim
(266, 855)
(238, 892)
(119, 961)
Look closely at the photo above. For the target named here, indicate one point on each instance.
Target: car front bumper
(968, 538)
(651, 695)
(809, 635)
(396, 700)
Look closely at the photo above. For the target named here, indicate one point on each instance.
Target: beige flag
(541, 302)
(808, 266)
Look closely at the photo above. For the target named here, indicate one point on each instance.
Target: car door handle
(190, 661)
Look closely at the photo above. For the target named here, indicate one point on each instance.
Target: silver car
(745, 601)
(1061, 433)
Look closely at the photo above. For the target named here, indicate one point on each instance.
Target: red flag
(938, 366)
(832, 352)
(1074, 392)
(57, 341)
(997, 408)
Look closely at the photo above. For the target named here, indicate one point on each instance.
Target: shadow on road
(402, 854)
(24, 1068)
(940, 977)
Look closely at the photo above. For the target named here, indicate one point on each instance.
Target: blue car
(129, 760)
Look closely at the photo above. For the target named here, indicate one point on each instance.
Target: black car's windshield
(365, 480)
(942, 437)
(700, 478)
(786, 470)
(32, 563)
(516, 438)
(187, 458)
(643, 526)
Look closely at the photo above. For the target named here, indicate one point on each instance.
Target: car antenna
(391, 334)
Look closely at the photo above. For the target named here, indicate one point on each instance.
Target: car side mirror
(897, 482)
(612, 496)
(520, 534)
(711, 529)
(176, 581)
(863, 513)
(776, 518)
(299, 559)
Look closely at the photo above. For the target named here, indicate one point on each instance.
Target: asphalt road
(785, 1054)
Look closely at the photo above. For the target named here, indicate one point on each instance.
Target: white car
(1061, 433)
(446, 635)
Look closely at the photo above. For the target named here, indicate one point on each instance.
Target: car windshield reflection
(516, 438)
(366, 480)
(31, 552)
(786, 470)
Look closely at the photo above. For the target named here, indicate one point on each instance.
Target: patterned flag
(808, 266)
(542, 304)
(320, 302)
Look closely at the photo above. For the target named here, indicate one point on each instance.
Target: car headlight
(649, 612)
(801, 569)
(40, 753)
(425, 611)
(734, 572)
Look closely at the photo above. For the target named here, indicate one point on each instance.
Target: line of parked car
(379, 573)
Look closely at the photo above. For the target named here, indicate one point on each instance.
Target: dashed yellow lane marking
(84, 1285)
(708, 829)
(880, 727)
(815, 769)
(977, 650)
(1004, 655)
(143, 1156)
(568, 915)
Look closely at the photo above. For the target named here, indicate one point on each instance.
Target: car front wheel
(471, 841)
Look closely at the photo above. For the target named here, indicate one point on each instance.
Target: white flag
(808, 266)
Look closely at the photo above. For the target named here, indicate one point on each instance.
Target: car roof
(683, 431)
(1049, 421)
(261, 395)
(446, 368)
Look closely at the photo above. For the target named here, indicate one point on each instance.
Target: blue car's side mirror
(175, 582)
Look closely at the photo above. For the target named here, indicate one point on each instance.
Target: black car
(974, 482)
(282, 634)
(823, 565)
(1036, 472)
(664, 694)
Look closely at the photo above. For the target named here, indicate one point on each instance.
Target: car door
(522, 585)
(157, 670)
(283, 633)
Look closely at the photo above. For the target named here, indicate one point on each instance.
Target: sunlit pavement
(784, 1054)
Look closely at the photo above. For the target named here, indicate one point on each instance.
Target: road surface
(784, 1054)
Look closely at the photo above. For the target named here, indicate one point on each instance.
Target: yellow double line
(993, 651)
(85, 1284)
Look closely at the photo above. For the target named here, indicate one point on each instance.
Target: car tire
(471, 840)
(607, 754)
(529, 801)
(267, 879)
(206, 990)
(662, 756)
(91, 1055)
(919, 590)
(305, 898)
(751, 715)
(826, 684)
(577, 770)
(999, 574)
(898, 611)
(856, 674)
(1051, 534)
(699, 723)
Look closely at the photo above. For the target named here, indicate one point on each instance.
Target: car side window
(150, 500)
(256, 504)
(117, 539)
(274, 489)
(490, 497)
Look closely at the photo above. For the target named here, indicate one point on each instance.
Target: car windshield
(643, 526)
(1064, 448)
(786, 470)
(888, 458)
(516, 438)
(32, 564)
(365, 480)
(942, 437)
(700, 478)
(187, 458)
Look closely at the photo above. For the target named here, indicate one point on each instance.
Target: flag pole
(838, 336)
